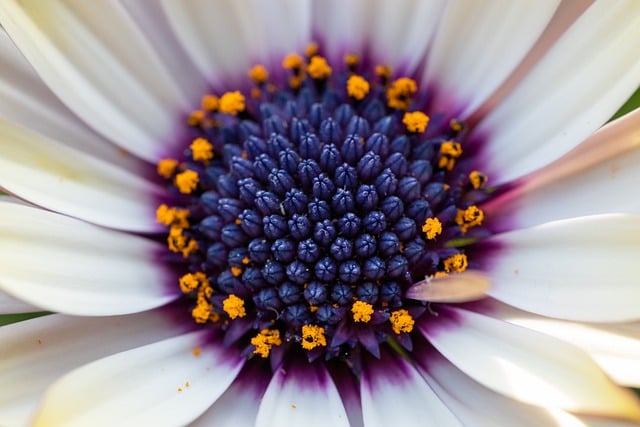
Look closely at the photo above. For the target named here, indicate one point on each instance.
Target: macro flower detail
(349, 213)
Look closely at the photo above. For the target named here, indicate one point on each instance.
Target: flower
(417, 220)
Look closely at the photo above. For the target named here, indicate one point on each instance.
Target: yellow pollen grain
(256, 93)
(201, 311)
(265, 341)
(166, 167)
(210, 103)
(195, 118)
(449, 152)
(246, 260)
(196, 351)
(319, 68)
(470, 217)
(477, 179)
(312, 337)
(383, 71)
(455, 125)
(296, 81)
(234, 306)
(455, 264)
(258, 73)
(236, 271)
(357, 87)
(311, 49)
(401, 321)
(232, 103)
(400, 91)
(187, 181)
(415, 121)
(362, 311)
(191, 281)
(293, 61)
(432, 227)
(351, 59)
(172, 216)
(201, 150)
(178, 242)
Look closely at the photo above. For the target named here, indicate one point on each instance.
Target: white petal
(580, 269)
(395, 33)
(477, 46)
(301, 394)
(163, 383)
(238, 406)
(394, 393)
(26, 100)
(526, 365)
(573, 90)
(461, 287)
(473, 403)
(97, 62)
(224, 38)
(63, 179)
(597, 177)
(36, 352)
(62, 264)
(614, 346)
(11, 305)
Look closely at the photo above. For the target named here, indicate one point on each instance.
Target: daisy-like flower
(344, 213)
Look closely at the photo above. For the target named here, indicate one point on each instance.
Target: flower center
(302, 213)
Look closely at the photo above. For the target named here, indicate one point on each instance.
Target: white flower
(551, 241)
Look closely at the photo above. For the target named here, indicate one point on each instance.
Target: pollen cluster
(302, 209)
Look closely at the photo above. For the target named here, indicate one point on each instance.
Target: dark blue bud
(342, 202)
(386, 125)
(262, 166)
(374, 110)
(421, 170)
(299, 226)
(402, 145)
(390, 292)
(322, 187)
(266, 110)
(397, 163)
(369, 166)
(374, 222)
(298, 272)
(296, 315)
(280, 181)
(367, 292)
(405, 228)
(254, 146)
(367, 197)
(259, 250)
(274, 226)
(232, 235)
(324, 232)
(409, 188)
(419, 210)
(326, 269)
(267, 299)
(248, 187)
(397, 266)
(209, 201)
(435, 193)
(318, 210)
(308, 170)
(315, 293)
(330, 131)
(231, 150)
(388, 243)
(317, 113)
(329, 158)
(352, 149)
(349, 225)
(267, 202)
(291, 111)
(289, 160)
(365, 245)
(310, 146)
(283, 250)
(328, 314)
(341, 293)
(343, 115)
(276, 143)
(349, 271)
(358, 126)
(273, 125)
(289, 293)
(248, 129)
(386, 183)
(378, 144)
(227, 282)
(392, 207)
(273, 272)
(346, 177)
(341, 249)
(229, 209)
(210, 227)
(252, 278)
(295, 201)
(374, 268)
(227, 186)
(414, 249)
(308, 251)
(424, 150)
(237, 256)
(241, 168)
(217, 255)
